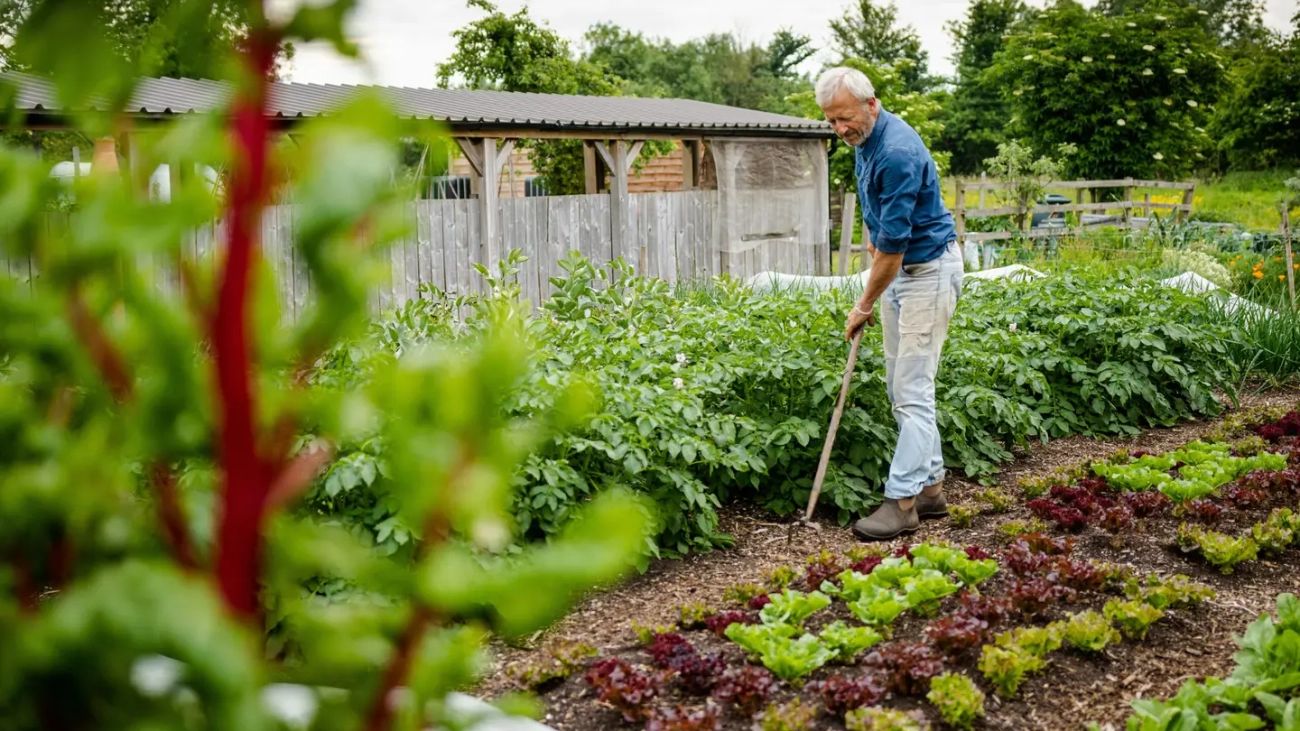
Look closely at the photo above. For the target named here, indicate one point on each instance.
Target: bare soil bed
(1074, 691)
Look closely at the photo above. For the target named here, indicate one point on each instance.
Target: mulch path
(1075, 690)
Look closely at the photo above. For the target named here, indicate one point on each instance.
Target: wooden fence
(1124, 220)
(675, 236)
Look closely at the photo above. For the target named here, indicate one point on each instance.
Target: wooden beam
(590, 167)
(690, 167)
(603, 149)
(620, 224)
(473, 153)
(490, 246)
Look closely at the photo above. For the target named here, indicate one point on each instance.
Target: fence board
(537, 213)
(671, 235)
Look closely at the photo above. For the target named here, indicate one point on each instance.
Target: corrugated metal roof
(462, 109)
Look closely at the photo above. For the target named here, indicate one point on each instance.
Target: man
(914, 284)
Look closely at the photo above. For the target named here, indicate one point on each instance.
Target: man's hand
(857, 318)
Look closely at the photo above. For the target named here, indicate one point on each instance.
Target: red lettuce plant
(956, 633)
(866, 565)
(719, 622)
(993, 610)
(748, 688)
(1200, 511)
(907, 668)
(758, 602)
(668, 646)
(841, 694)
(682, 718)
(624, 688)
(1146, 504)
(1031, 596)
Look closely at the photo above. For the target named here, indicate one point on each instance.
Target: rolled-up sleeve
(899, 184)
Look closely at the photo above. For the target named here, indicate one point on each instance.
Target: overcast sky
(404, 40)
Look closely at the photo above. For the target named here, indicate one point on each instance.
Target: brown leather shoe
(935, 506)
(888, 521)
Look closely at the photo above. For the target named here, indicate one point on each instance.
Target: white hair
(843, 77)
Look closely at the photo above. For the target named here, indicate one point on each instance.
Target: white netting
(773, 204)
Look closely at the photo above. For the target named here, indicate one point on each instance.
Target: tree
(1231, 23)
(515, 53)
(171, 38)
(869, 30)
(717, 68)
(1257, 124)
(975, 120)
(1131, 93)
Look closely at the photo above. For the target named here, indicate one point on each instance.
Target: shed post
(690, 166)
(619, 160)
(487, 159)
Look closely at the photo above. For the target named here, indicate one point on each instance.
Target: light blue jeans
(915, 312)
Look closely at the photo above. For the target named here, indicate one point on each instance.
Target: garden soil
(1073, 692)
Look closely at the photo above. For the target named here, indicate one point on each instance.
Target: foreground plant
(848, 642)
(682, 718)
(960, 703)
(161, 441)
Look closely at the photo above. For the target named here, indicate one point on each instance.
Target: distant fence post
(1146, 206)
(984, 178)
(960, 218)
(1128, 203)
(1286, 241)
(850, 211)
(1189, 195)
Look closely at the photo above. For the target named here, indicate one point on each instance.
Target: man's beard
(866, 133)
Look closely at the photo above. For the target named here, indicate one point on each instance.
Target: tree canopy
(1133, 93)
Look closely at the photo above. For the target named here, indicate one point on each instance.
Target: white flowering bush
(1199, 262)
(1131, 93)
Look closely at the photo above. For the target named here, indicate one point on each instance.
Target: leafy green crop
(1267, 673)
(793, 607)
(758, 375)
(879, 718)
(1206, 467)
(1006, 667)
(1133, 618)
(1277, 532)
(960, 703)
(847, 642)
(776, 646)
(1222, 551)
(878, 606)
(1177, 592)
(1089, 632)
(947, 559)
(1037, 641)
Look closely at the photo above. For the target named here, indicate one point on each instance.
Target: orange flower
(1259, 274)
(1281, 277)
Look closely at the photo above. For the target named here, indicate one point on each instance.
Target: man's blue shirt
(898, 184)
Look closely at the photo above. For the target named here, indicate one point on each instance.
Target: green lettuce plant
(959, 701)
(1221, 551)
(1089, 632)
(1133, 618)
(848, 642)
